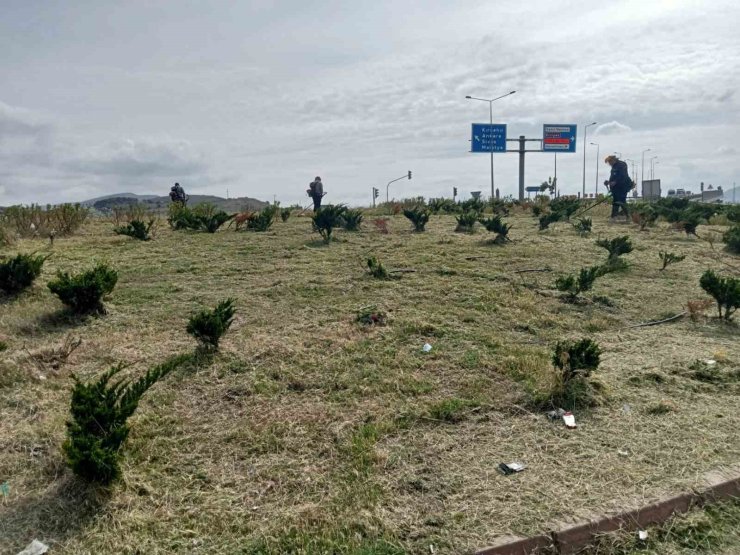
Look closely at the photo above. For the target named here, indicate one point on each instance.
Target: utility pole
(585, 131)
(596, 186)
(642, 169)
(490, 115)
(521, 166)
(555, 179)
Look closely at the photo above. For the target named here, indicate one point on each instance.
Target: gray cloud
(260, 98)
(130, 158)
(612, 128)
(19, 122)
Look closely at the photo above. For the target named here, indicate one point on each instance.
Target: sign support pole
(522, 140)
(490, 112)
(521, 166)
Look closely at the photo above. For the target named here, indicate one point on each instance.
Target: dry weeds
(312, 434)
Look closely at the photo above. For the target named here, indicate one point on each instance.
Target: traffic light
(375, 192)
(454, 192)
(409, 174)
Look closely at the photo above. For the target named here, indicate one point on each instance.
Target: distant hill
(92, 201)
(230, 205)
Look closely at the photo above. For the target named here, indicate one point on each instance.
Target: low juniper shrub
(83, 293)
(352, 219)
(565, 206)
(583, 226)
(497, 226)
(98, 427)
(644, 214)
(616, 247)
(731, 238)
(575, 285)
(443, 206)
(725, 290)
(371, 316)
(418, 216)
(466, 221)
(550, 218)
(327, 218)
(204, 217)
(136, 229)
(212, 223)
(261, 221)
(669, 258)
(18, 273)
(208, 326)
(575, 361)
(475, 205)
(376, 269)
(689, 226)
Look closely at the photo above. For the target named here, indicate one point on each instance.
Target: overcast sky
(99, 97)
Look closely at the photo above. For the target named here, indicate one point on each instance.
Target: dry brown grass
(312, 434)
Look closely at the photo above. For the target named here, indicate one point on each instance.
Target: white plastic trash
(35, 548)
(569, 419)
(426, 348)
(642, 534)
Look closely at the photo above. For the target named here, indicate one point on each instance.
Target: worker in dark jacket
(316, 192)
(619, 184)
(177, 194)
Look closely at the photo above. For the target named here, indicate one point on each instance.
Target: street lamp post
(634, 173)
(652, 167)
(596, 186)
(490, 114)
(642, 169)
(585, 131)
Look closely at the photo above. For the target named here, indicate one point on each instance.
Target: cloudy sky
(99, 97)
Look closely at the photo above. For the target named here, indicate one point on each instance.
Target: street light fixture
(642, 168)
(490, 113)
(652, 167)
(585, 130)
(596, 186)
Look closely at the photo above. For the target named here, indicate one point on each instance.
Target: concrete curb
(568, 539)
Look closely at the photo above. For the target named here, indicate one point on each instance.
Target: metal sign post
(555, 138)
(522, 140)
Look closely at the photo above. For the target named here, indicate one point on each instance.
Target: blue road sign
(488, 138)
(558, 137)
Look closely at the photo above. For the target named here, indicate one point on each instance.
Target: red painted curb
(720, 485)
(519, 546)
(573, 539)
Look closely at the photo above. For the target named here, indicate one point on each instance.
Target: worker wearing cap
(619, 184)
